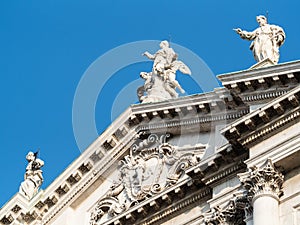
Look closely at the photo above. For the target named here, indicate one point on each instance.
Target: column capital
(232, 213)
(263, 181)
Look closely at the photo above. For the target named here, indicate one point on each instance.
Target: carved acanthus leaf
(264, 180)
(232, 213)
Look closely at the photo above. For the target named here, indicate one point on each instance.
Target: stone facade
(231, 156)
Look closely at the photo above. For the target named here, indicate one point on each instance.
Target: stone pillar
(264, 186)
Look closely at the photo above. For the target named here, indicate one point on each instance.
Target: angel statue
(161, 83)
(266, 40)
(33, 177)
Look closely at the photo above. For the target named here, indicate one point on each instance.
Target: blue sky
(47, 46)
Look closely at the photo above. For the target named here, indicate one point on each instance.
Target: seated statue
(266, 40)
(33, 177)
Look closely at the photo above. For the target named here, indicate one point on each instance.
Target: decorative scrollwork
(151, 166)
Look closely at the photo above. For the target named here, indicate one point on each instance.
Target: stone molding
(163, 207)
(261, 96)
(265, 180)
(283, 69)
(202, 121)
(258, 86)
(265, 121)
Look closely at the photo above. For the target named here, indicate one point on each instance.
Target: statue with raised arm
(266, 40)
(162, 58)
(33, 177)
(161, 83)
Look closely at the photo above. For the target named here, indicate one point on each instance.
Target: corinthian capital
(265, 180)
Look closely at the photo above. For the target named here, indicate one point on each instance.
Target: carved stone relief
(151, 166)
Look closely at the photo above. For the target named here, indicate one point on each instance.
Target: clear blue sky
(46, 47)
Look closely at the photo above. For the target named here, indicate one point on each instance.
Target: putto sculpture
(266, 40)
(161, 83)
(33, 177)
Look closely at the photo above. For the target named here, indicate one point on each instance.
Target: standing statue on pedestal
(33, 177)
(266, 40)
(161, 83)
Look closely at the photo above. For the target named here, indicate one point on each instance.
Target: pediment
(193, 115)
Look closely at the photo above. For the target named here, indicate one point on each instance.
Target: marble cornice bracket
(168, 202)
(257, 85)
(201, 105)
(278, 73)
(225, 163)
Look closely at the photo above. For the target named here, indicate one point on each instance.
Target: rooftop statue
(33, 177)
(266, 40)
(161, 83)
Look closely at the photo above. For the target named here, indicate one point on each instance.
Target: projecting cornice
(258, 86)
(190, 113)
(265, 121)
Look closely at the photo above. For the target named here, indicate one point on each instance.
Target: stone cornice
(258, 86)
(286, 155)
(205, 122)
(218, 95)
(255, 74)
(169, 201)
(265, 121)
(214, 169)
(194, 199)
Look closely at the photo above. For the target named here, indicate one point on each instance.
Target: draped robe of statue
(266, 40)
(33, 177)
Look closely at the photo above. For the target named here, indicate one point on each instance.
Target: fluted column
(264, 186)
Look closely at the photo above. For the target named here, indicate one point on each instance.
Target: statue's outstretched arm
(148, 55)
(245, 34)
